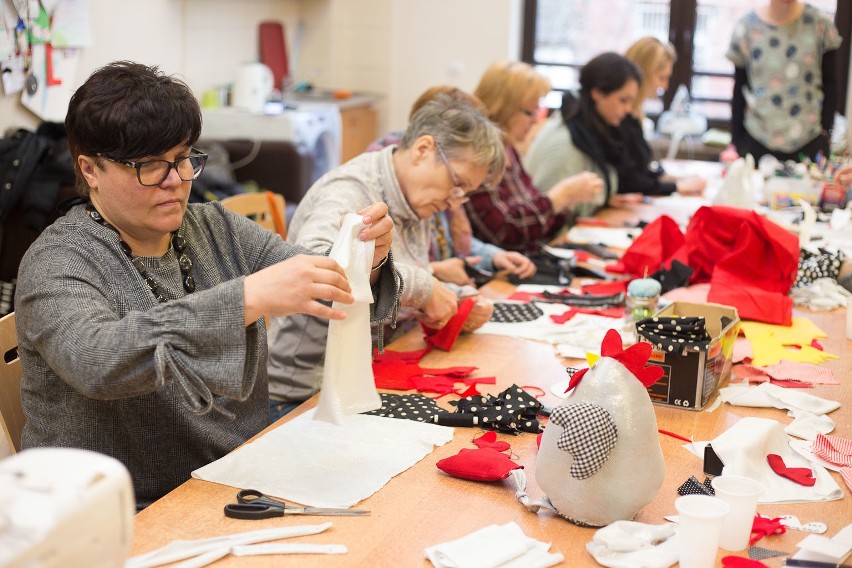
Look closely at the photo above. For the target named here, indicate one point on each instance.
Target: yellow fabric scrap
(771, 343)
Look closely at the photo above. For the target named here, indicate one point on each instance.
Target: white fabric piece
(615, 237)
(495, 546)
(323, 465)
(767, 395)
(738, 188)
(348, 384)
(204, 559)
(288, 548)
(630, 544)
(182, 549)
(821, 294)
(807, 425)
(822, 549)
(743, 449)
(805, 448)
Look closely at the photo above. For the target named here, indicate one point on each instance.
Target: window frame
(682, 22)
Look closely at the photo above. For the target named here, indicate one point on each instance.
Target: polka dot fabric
(408, 407)
(512, 411)
(812, 266)
(694, 487)
(515, 313)
(674, 334)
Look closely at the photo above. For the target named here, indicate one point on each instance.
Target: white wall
(393, 48)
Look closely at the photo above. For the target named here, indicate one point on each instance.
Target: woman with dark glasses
(139, 316)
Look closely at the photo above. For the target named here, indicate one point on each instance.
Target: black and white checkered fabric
(694, 487)
(588, 434)
(408, 406)
(505, 312)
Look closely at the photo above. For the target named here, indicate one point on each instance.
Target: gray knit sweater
(164, 388)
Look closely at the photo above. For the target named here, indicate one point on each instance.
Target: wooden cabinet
(360, 129)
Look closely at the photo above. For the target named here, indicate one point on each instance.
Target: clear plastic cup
(740, 493)
(699, 525)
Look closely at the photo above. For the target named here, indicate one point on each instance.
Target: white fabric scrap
(210, 547)
(807, 425)
(630, 544)
(821, 294)
(288, 548)
(743, 449)
(495, 546)
(767, 395)
(323, 465)
(830, 550)
(348, 385)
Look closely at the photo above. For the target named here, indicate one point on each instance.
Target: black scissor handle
(255, 497)
(252, 511)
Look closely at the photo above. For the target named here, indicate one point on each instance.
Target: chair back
(265, 207)
(11, 412)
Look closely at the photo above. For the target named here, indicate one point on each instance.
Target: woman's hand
(479, 315)
(452, 270)
(691, 185)
(584, 187)
(442, 305)
(843, 176)
(296, 285)
(625, 200)
(515, 263)
(379, 228)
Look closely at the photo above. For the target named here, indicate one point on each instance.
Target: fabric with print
(408, 407)
(694, 487)
(813, 266)
(512, 411)
(784, 95)
(588, 434)
(505, 312)
(679, 334)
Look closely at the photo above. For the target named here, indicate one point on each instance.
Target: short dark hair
(128, 110)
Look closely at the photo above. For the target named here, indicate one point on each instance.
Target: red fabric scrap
(606, 288)
(741, 562)
(489, 440)
(658, 242)
(390, 355)
(801, 475)
(616, 312)
(765, 526)
(445, 337)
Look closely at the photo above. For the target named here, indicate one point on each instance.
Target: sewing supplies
(252, 504)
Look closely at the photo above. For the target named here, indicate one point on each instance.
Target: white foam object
(738, 189)
(348, 384)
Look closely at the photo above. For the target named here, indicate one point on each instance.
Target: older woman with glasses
(448, 150)
(139, 316)
(514, 214)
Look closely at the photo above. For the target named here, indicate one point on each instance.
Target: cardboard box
(689, 381)
(783, 192)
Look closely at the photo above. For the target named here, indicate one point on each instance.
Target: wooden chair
(265, 207)
(11, 412)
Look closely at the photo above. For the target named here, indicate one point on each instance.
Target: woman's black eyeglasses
(154, 172)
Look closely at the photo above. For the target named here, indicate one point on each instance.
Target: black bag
(20, 155)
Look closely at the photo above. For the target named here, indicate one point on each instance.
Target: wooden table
(422, 506)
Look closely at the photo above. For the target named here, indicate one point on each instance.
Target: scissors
(253, 504)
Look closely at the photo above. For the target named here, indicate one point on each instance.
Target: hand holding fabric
(452, 270)
(442, 305)
(515, 262)
(379, 229)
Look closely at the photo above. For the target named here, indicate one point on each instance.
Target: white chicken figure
(600, 459)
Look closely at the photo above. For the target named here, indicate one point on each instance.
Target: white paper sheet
(324, 465)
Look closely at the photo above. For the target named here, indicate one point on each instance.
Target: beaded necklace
(179, 244)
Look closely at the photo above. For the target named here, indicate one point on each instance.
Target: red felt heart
(481, 464)
(801, 475)
(489, 440)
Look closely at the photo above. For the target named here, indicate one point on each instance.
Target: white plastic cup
(699, 525)
(740, 493)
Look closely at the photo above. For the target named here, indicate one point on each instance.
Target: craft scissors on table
(252, 504)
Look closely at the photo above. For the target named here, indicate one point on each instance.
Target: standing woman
(589, 134)
(785, 67)
(514, 214)
(139, 316)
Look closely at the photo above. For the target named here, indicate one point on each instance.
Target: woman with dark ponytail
(590, 134)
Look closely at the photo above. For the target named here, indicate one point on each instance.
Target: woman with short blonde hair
(514, 214)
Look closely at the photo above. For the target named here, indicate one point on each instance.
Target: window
(561, 35)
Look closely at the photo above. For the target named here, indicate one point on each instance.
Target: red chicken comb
(635, 358)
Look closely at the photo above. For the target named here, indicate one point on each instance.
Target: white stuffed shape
(600, 459)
